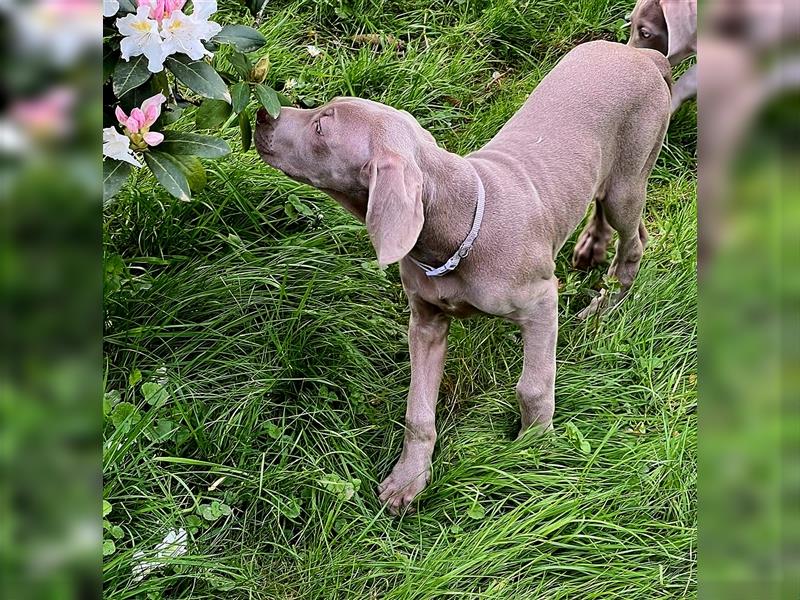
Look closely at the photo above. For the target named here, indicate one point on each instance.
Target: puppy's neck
(449, 197)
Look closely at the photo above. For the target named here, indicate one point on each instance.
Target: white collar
(465, 248)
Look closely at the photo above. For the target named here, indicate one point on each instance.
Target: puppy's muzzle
(265, 131)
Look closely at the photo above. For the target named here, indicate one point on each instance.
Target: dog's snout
(265, 131)
(264, 118)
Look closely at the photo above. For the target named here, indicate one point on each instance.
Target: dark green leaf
(212, 113)
(204, 146)
(128, 6)
(256, 6)
(240, 96)
(115, 174)
(240, 62)
(193, 169)
(160, 83)
(243, 38)
(284, 99)
(135, 97)
(269, 100)
(130, 74)
(125, 415)
(110, 60)
(246, 129)
(169, 114)
(168, 173)
(199, 76)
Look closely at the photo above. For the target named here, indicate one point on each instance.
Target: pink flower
(161, 8)
(156, 8)
(171, 5)
(141, 119)
(130, 123)
(153, 138)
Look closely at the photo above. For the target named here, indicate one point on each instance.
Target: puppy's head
(649, 27)
(355, 149)
(669, 26)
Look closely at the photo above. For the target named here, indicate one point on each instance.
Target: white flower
(110, 8)
(181, 35)
(118, 146)
(204, 9)
(185, 33)
(173, 545)
(313, 51)
(142, 37)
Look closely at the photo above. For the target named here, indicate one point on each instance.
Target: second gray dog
(669, 26)
(592, 129)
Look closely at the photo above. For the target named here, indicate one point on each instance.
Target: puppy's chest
(448, 297)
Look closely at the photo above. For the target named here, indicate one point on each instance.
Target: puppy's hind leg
(590, 250)
(624, 213)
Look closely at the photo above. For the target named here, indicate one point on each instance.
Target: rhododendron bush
(160, 59)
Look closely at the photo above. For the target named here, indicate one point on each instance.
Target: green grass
(282, 349)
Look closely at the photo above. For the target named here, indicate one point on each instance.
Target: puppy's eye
(645, 33)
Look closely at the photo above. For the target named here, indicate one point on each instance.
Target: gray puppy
(592, 129)
(669, 26)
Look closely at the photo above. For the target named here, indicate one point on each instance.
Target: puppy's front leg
(427, 343)
(536, 386)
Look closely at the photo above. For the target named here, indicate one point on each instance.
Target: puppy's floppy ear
(394, 209)
(681, 18)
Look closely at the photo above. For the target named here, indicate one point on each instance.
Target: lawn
(259, 357)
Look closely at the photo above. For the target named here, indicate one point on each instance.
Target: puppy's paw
(404, 483)
(535, 429)
(599, 305)
(590, 250)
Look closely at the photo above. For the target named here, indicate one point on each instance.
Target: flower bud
(259, 73)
